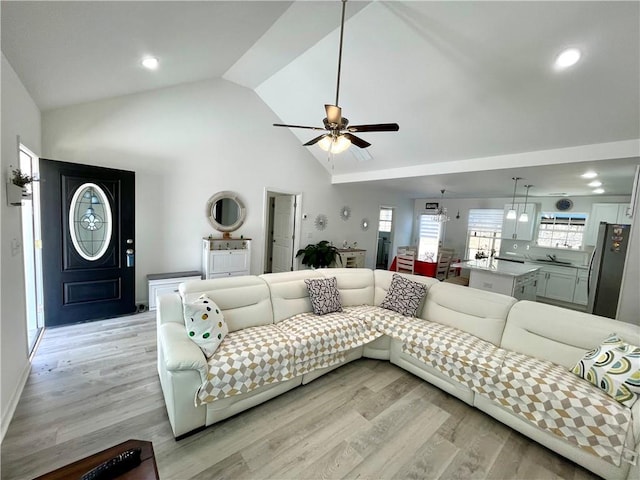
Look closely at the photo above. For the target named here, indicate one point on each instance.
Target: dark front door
(87, 242)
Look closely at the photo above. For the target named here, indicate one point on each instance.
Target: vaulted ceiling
(472, 84)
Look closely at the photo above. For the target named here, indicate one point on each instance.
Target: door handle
(130, 257)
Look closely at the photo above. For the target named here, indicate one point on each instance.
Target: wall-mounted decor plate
(321, 221)
(564, 204)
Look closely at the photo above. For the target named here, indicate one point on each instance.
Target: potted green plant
(20, 179)
(16, 188)
(318, 255)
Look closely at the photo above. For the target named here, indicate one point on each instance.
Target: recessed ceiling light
(599, 190)
(150, 62)
(595, 183)
(589, 174)
(567, 58)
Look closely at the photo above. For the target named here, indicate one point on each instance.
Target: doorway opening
(385, 230)
(32, 250)
(282, 226)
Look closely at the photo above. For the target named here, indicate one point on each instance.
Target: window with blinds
(484, 232)
(562, 230)
(386, 220)
(429, 232)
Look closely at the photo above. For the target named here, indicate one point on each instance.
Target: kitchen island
(515, 279)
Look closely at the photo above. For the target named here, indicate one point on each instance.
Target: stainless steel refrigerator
(606, 267)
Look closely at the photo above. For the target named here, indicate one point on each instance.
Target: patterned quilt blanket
(558, 401)
(322, 341)
(543, 393)
(253, 357)
(456, 353)
(546, 394)
(245, 360)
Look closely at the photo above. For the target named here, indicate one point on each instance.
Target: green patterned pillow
(614, 367)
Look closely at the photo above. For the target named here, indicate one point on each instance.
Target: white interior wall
(188, 142)
(629, 306)
(20, 117)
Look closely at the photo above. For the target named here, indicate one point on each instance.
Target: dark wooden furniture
(147, 470)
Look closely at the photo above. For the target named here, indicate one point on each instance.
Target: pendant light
(512, 214)
(441, 213)
(524, 216)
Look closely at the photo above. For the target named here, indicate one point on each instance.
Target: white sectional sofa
(507, 358)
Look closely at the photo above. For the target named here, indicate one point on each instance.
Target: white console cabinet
(350, 258)
(226, 257)
(162, 283)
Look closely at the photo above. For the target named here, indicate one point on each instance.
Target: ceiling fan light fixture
(340, 135)
(334, 144)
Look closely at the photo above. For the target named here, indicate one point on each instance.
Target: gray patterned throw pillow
(404, 296)
(324, 295)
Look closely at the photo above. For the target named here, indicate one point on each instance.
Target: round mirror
(225, 211)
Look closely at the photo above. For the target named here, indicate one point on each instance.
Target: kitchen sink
(558, 262)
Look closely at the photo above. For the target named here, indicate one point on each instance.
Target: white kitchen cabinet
(225, 257)
(525, 287)
(557, 283)
(580, 295)
(514, 229)
(508, 278)
(604, 212)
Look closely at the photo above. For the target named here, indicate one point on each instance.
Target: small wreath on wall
(364, 225)
(345, 213)
(321, 221)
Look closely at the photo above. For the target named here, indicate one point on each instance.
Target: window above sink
(562, 230)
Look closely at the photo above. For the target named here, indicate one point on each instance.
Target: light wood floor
(95, 385)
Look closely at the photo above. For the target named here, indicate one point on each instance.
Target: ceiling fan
(339, 134)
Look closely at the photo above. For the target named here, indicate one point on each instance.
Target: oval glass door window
(90, 221)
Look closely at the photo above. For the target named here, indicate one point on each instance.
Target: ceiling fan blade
(377, 127)
(358, 142)
(334, 114)
(313, 141)
(297, 126)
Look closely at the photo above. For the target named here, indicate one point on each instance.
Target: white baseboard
(15, 398)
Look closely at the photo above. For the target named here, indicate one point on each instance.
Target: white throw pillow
(205, 324)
